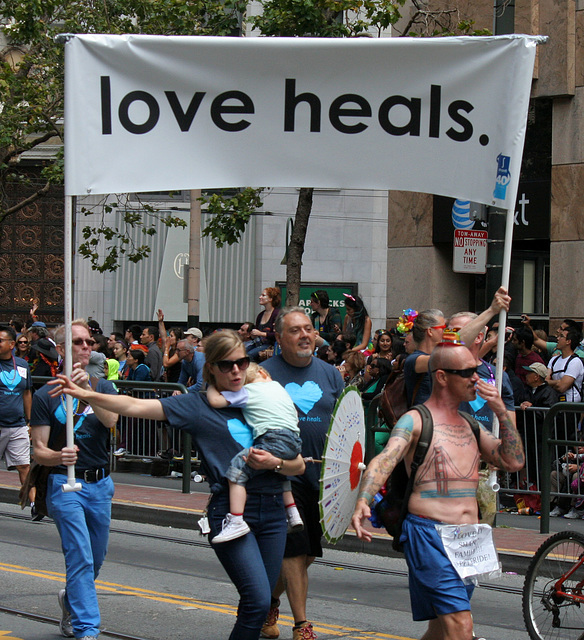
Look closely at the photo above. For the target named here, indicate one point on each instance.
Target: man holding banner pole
(82, 516)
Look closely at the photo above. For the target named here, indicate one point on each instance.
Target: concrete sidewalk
(159, 501)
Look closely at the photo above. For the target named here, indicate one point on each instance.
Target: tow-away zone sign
(470, 251)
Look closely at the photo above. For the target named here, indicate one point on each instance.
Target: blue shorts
(435, 587)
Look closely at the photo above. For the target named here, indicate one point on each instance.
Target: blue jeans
(253, 561)
(282, 443)
(83, 520)
(254, 352)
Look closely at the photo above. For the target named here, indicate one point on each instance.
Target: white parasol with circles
(342, 464)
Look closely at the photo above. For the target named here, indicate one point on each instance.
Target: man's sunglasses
(463, 373)
(79, 341)
(225, 366)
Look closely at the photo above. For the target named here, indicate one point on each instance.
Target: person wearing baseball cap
(538, 392)
(194, 336)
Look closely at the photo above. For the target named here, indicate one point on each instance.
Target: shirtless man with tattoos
(445, 487)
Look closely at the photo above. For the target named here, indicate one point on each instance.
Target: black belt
(89, 475)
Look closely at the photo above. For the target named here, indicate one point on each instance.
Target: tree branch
(24, 203)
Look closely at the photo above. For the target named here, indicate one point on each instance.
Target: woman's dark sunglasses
(23, 342)
(225, 366)
(463, 373)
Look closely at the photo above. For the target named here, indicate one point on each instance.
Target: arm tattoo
(509, 447)
(403, 428)
(381, 467)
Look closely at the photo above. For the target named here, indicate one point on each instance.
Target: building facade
(547, 254)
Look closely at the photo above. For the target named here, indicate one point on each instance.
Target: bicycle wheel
(548, 615)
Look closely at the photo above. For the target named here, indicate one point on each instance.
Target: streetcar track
(318, 561)
(53, 621)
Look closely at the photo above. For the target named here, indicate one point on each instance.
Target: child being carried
(270, 412)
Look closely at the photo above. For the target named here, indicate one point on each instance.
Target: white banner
(437, 115)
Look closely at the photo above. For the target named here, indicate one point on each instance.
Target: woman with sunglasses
(22, 347)
(252, 561)
(427, 332)
(376, 374)
(357, 321)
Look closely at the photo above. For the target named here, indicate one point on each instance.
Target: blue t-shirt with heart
(14, 380)
(314, 389)
(218, 435)
(91, 436)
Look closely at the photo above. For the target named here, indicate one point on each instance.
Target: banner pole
(71, 484)
(505, 276)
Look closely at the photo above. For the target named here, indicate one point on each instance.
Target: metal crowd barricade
(530, 426)
(144, 439)
(555, 445)
(547, 435)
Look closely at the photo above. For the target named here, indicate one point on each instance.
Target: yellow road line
(192, 603)
(158, 506)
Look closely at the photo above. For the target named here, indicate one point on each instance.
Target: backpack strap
(553, 362)
(570, 358)
(419, 454)
(474, 425)
(425, 437)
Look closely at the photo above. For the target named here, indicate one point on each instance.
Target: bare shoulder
(408, 427)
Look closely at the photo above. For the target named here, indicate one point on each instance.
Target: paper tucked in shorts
(470, 549)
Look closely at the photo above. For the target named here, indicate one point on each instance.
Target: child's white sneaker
(233, 527)
(294, 520)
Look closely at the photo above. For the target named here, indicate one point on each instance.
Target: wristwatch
(278, 467)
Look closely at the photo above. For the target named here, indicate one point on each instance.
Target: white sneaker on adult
(556, 512)
(573, 514)
(65, 626)
(233, 527)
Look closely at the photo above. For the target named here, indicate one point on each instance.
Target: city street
(166, 583)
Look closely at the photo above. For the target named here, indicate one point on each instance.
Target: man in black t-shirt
(82, 517)
(314, 387)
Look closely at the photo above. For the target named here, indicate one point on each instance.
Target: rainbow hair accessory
(406, 321)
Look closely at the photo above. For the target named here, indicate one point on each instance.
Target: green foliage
(31, 83)
(326, 18)
(230, 214)
(119, 241)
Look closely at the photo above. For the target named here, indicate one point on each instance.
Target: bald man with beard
(444, 491)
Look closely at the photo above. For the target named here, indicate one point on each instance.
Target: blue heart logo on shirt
(10, 379)
(240, 432)
(61, 415)
(305, 396)
(477, 404)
